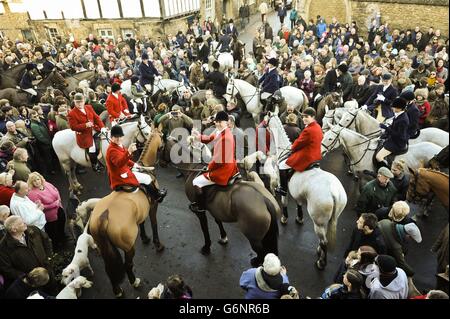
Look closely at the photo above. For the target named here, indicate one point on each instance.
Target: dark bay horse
(331, 101)
(246, 203)
(11, 77)
(116, 220)
(18, 97)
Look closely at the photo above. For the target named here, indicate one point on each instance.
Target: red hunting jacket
(116, 106)
(223, 164)
(306, 148)
(77, 122)
(119, 164)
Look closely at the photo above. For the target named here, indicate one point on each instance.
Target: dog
(80, 259)
(73, 289)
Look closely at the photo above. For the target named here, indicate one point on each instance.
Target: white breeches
(202, 181)
(31, 91)
(92, 149)
(382, 154)
(142, 178)
(283, 165)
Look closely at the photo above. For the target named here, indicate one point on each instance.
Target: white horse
(321, 192)
(360, 149)
(69, 153)
(332, 117)
(251, 96)
(363, 123)
(225, 60)
(165, 85)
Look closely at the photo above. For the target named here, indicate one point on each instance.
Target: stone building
(44, 19)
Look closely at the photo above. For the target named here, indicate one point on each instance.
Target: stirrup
(281, 191)
(161, 194)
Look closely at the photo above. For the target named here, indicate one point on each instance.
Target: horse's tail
(332, 225)
(114, 265)
(270, 240)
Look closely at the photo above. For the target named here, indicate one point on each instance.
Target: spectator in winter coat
(6, 189)
(19, 165)
(422, 104)
(291, 127)
(392, 283)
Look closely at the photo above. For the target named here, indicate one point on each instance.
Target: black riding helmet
(116, 131)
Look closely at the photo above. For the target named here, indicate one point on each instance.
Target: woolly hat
(412, 230)
(386, 263)
(272, 264)
(421, 92)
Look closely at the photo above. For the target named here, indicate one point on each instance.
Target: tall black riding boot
(282, 189)
(198, 206)
(94, 162)
(155, 193)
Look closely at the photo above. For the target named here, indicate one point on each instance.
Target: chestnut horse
(115, 219)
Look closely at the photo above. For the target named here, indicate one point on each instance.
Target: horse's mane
(430, 170)
(281, 139)
(245, 83)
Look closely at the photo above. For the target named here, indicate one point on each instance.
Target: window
(131, 9)
(152, 8)
(92, 11)
(106, 34)
(110, 9)
(28, 35)
(127, 31)
(208, 4)
(52, 34)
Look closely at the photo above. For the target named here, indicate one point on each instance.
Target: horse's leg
(284, 214)
(129, 255)
(143, 233)
(68, 171)
(223, 235)
(321, 232)
(258, 248)
(299, 218)
(152, 214)
(206, 249)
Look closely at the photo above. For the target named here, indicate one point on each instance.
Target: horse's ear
(412, 171)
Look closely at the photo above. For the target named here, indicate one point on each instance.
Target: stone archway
(341, 9)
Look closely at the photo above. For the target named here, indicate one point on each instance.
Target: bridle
(233, 86)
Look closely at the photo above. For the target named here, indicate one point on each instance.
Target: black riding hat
(115, 87)
(116, 131)
(221, 116)
(399, 103)
(216, 64)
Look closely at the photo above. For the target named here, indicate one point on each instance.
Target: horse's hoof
(223, 241)
(255, 262)
(318, 251)
(159, 247)
(299, 220)
(349, 173)
(205, 250)
(283, 220)
(320, 265)
(119, 294)
(137, 283)
(145, 240)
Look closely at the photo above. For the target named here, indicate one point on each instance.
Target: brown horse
(115, 219)
(19, 97)
(256, 218)
(11, 77)
(332, 101)
(425, 182)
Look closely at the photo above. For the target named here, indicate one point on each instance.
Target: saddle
(390, 158)
(128, 188)
(211, 190)
(315, 164)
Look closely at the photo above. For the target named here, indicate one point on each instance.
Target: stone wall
(404, 15)
(328, 9)
(12, 24)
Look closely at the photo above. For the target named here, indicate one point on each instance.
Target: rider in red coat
(116, 105)
(85, 122)
(120, 165)
(305, 150)
(223, 165)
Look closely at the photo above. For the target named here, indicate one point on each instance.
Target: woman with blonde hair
(46, 194)
(399, 213)
(401, 178)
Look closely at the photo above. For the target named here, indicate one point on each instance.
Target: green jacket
(40, 132)
(21, 170)
(394, 244)
(98, 107)
(136, 94)
(61, 122)
(169, 124)
(373, 197)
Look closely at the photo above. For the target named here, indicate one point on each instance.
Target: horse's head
(349, 118)
(56, 80)
(335, 100)
(143, 130)
(231, 88)
(419, 188)
(276, 128)
(330, 140)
